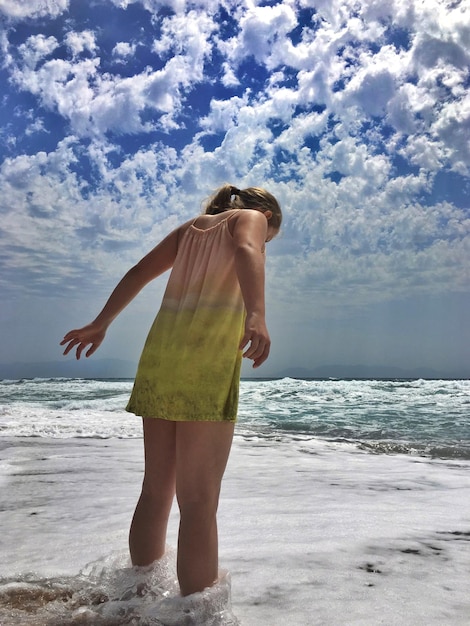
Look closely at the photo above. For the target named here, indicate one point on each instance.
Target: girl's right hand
(82, 337)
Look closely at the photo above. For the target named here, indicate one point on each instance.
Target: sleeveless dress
(190, 365)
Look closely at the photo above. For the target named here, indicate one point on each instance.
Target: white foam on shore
(312, 533)
(110, 591)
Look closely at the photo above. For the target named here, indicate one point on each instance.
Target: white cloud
(95, 102)
(52, 231)
(262, 31)
(451, 128)
(153, 6)
(229, 78)
(123, 49)
(355, 81)
(36, 48)
(36, 127)
(374, 83)
(79, 42)
(422, 151)
(301, 127)
(20, 9)
(223, 113)
(186, 35)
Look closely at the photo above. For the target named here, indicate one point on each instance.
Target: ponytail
(230, 197)
(221, 200)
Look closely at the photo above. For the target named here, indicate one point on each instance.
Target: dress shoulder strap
(224, 220)
(235, 212)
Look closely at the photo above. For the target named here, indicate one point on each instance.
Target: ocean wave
(428, 417)
(432, 451)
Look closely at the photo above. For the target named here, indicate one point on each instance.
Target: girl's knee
(156, 498)
(199, 504)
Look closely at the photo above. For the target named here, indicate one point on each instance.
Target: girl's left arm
(249, 237)
(157, 261)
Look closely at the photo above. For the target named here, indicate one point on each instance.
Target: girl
(186, 387)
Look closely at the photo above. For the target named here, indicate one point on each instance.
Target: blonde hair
(229, 197)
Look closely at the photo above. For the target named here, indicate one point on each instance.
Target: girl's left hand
(256, 340)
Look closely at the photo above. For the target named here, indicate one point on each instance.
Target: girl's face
(272, 232)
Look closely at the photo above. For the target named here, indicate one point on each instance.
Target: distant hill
(70, 368)
(118, 368)
(366, 371)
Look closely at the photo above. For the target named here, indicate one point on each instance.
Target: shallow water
(312, 533)
(315, 529)
(111, 592)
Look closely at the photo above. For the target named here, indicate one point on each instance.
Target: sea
(344, 502)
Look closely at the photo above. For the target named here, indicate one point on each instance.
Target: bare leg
(147, 537)
(202, 450)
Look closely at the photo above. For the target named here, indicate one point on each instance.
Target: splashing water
(109, 592)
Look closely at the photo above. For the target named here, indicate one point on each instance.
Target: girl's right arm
(157, 261)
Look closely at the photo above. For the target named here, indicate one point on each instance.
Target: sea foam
(110, 592)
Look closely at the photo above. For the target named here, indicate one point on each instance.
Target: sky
(119, 117)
